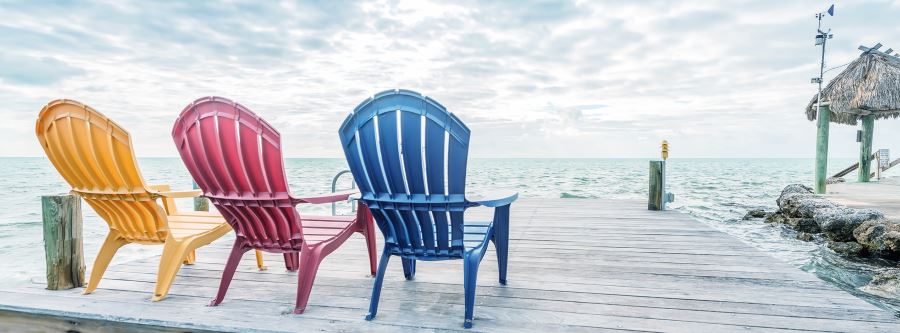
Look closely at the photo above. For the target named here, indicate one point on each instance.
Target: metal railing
(334, 189)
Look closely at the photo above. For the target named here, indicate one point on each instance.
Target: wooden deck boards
(575, 265)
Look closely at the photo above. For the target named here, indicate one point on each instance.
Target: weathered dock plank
(575, 265)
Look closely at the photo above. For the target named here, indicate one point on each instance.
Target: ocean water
(717, 192)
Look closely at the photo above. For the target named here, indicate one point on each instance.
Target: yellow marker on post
(658, 195)
(665, 150)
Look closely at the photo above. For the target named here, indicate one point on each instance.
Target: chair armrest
(497, 200)
(326, 198)
(159, 187)
(181, 194)
(166, 191)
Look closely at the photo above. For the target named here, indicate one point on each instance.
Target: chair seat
(475, 233)
(319, 228)
(187, 224)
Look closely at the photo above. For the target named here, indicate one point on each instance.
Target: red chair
(235, 158)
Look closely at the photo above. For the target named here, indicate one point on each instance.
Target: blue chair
(401, 147)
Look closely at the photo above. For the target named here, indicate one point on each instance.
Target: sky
(530, 78)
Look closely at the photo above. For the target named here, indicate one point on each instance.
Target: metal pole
(823, 120)
(821, 64)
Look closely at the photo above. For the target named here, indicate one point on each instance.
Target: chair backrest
(94, 155)
(408, 156)
(235, 158)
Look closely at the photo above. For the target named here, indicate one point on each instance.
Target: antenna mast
(822, 119)
(821, 38)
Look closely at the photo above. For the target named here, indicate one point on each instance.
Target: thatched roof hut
(870, 85)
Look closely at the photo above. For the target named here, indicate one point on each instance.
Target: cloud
(35, 70)
(531, 78)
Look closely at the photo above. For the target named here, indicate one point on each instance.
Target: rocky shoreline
(862, 233)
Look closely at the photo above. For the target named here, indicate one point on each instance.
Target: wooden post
(63, 241)
(865, 147)
(878, 165)
(201, 204)
(824, 116)
(657, 186)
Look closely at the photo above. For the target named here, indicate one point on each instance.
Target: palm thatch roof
(870, 85)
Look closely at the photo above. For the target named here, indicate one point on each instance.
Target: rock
(755, 213)
(805, 236)
(804, 224)
(805, 205)
(846, 248)
(849, 231)
(880, 236)
(801, 224)
(793, 189)
(798, 200)
(834, 180)
(885, 284)
(838, 223)
(775, 218)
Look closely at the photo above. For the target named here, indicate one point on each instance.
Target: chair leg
(309, 263)
(409, 268)
(369, 233)
(292, 261)
(169, 264)
(190, 258)
(501, 245)
(109, 248)
(259, 261)
(376, 289)
(237, 251)
(470, 269)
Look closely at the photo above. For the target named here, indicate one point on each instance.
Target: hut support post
(63, 241)
(824, 121)
(865, 147)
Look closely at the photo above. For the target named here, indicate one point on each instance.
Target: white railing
(334, 189)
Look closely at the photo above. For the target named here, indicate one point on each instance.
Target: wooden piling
(865, 147)
(657, 187)
(63, 241)
(824, 117)
(201, 204)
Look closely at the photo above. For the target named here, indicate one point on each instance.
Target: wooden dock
(877, 194)
(575, 265)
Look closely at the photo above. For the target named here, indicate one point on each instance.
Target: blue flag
(831, 10)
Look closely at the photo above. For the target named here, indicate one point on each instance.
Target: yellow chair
(95, 157)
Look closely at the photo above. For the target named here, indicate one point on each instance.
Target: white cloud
(531, 78)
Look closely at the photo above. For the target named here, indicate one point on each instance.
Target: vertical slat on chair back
(408, 156)
(94, 155)
(235, 158)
